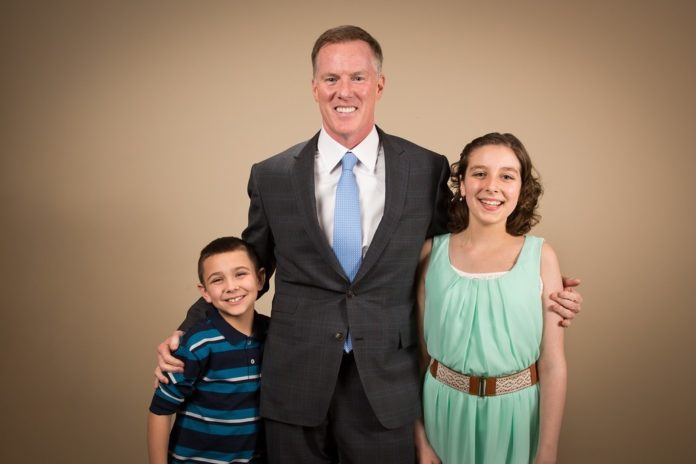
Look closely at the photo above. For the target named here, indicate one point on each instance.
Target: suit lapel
(396, 181)
(303, 186)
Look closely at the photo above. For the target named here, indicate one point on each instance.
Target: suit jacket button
(350, 294)
(339, 336)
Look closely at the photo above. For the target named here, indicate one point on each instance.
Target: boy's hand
(569, 302)
(165, 361)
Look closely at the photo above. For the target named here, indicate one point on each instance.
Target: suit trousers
(350, 434)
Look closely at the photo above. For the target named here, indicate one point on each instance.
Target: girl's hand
(425, 454)
(542, 460)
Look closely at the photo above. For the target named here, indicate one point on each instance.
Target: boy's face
(231, 283)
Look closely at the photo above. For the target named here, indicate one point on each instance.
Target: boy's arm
(552, 363)
(165, 361)
(176, 386)
(169, 399)
(158, 437)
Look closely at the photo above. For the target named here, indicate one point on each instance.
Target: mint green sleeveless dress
(487, 328)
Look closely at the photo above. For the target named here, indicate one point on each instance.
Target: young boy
(216, 398)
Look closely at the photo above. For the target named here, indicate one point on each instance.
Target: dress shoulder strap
(440, 242)
(440, 248)
(530, 256)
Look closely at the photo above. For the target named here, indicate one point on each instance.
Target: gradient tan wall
(128, 130)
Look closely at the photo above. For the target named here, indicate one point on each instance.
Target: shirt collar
(233, 335)
(331, 152)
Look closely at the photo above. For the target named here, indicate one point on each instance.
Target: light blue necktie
(347, 235)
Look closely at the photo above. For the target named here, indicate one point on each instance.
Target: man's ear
(380, 85)
(204, 293)
(314, 90)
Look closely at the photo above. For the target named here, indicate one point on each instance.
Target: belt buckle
(482, 387)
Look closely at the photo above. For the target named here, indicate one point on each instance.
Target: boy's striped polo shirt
(216, 398)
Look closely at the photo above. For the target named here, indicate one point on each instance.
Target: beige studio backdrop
(127, 134)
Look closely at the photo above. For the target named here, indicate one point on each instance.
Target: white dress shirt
(369, 174)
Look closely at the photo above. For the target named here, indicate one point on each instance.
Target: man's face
(346, 86)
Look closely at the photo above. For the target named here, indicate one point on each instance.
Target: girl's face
(491, 184)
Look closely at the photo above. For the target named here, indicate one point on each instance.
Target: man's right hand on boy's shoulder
(165, 361)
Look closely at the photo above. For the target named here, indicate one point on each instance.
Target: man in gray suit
(340, 371)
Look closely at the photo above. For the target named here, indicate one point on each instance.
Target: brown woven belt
(484, 386)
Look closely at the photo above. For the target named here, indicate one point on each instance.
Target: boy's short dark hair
(224, 245)
(525, 215)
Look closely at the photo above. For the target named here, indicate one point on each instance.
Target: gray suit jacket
(315, 303)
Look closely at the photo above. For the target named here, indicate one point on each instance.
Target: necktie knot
(349, 161)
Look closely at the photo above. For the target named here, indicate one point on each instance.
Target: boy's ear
(204, 293)
(261, 276)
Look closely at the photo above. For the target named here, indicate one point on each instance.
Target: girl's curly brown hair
(524, 217)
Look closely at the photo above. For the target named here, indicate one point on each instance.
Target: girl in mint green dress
(495, 372)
